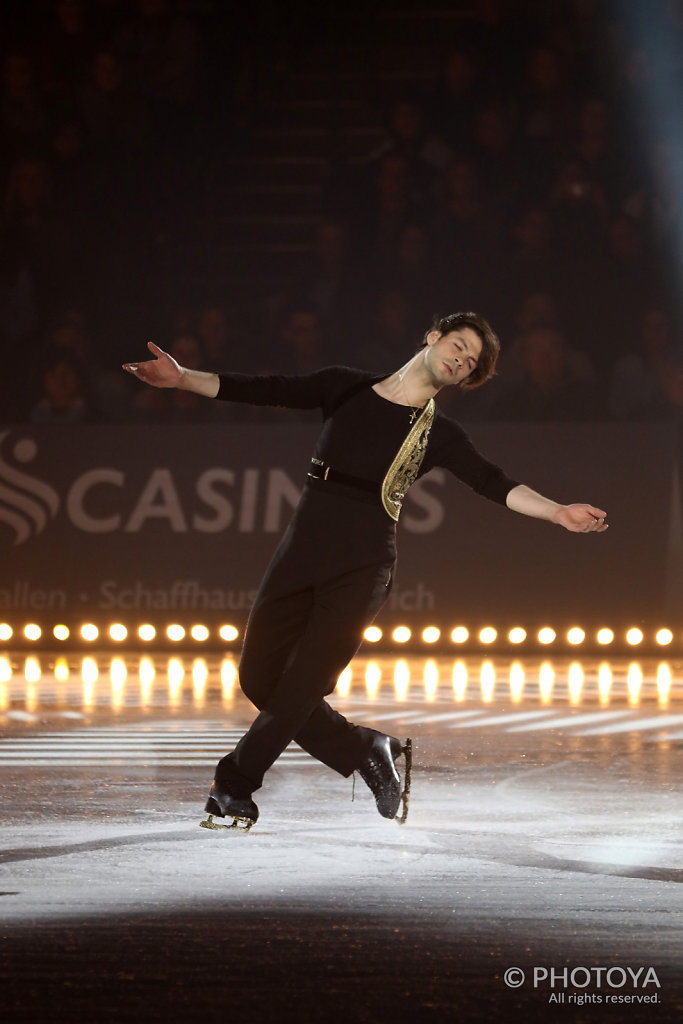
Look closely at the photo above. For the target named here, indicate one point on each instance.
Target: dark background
(280, 185)
(274, 187)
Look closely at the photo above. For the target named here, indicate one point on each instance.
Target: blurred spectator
(160, 50)
(548, 389)
(301, 346)
(116, 116)
(497, 154)
(409, 137)
(579, 212)
(410, 268)
(66, 47)
(546, 102)
(597, 148)
(624, 288)
(533, 260)
(466, 230)
(452, 103)
(332, 284)
(392, 331)
(638, 386)
(24, 118)
(581, 37)
(213, 332)
(36, 230)
(394, 200)
(672, 388)
(546, 110)
(62, 393)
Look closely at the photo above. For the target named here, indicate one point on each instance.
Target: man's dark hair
(490, 345)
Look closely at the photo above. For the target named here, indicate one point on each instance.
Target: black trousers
(297, 643)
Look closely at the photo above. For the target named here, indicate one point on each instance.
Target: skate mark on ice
(44, 852)
(587, 867)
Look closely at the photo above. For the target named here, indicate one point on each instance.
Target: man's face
(451, 358)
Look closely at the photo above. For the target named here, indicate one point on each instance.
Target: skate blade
(241, 824)
(405, 795)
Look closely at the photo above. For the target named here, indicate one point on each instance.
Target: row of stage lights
(401, 635)
(574, 682)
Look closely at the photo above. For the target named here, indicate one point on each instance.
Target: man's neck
(411, 385)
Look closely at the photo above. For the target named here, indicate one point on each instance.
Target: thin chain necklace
(414, 410)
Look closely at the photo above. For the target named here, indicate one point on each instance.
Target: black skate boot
(380, 774)
(221, 804)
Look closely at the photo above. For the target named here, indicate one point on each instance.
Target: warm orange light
(664, 637)
(373, 677)
(546, 635)
(460, 635)
(488, 681)
(546, 680)
(634, 636)
(575, 682)
(663, 682)
(147, 632)
(373, 634)
(200, 633)
(517, 635)
(175, 632)
(5, 631)
(228, 633)
(460, 680)
(32, 631)
(118, 632)
(487, 635)
(401, 634)
(604, 682)
(431, 680)
(146, 671)
(634, 682)
(576, 636)
(89, 673)
(344, 682)
(32, 670)
(431, 634)
(401, 679)
(200, 674)
(228, 677)
(516, 681)
(118, 673)
(61, 632)
(89, 631)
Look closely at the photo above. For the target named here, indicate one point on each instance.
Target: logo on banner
(101, 500)
(26, 503)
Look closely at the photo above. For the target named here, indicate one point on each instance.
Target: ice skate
(221, 804)
(381, 776)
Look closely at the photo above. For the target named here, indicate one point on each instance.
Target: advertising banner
(168, 522)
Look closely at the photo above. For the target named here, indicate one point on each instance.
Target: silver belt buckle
(319, 462)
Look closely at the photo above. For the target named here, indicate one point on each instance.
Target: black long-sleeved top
(360, 436)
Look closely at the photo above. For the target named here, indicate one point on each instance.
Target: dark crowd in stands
(520, 173)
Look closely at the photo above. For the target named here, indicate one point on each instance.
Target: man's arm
(576, 518)
(164, 372)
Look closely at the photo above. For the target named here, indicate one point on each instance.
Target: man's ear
(433, 336)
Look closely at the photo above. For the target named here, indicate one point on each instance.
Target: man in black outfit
(334, 566)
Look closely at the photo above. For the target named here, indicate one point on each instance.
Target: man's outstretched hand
(582, 519)
(160, 372)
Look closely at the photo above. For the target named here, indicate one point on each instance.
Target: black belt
(321, 471)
